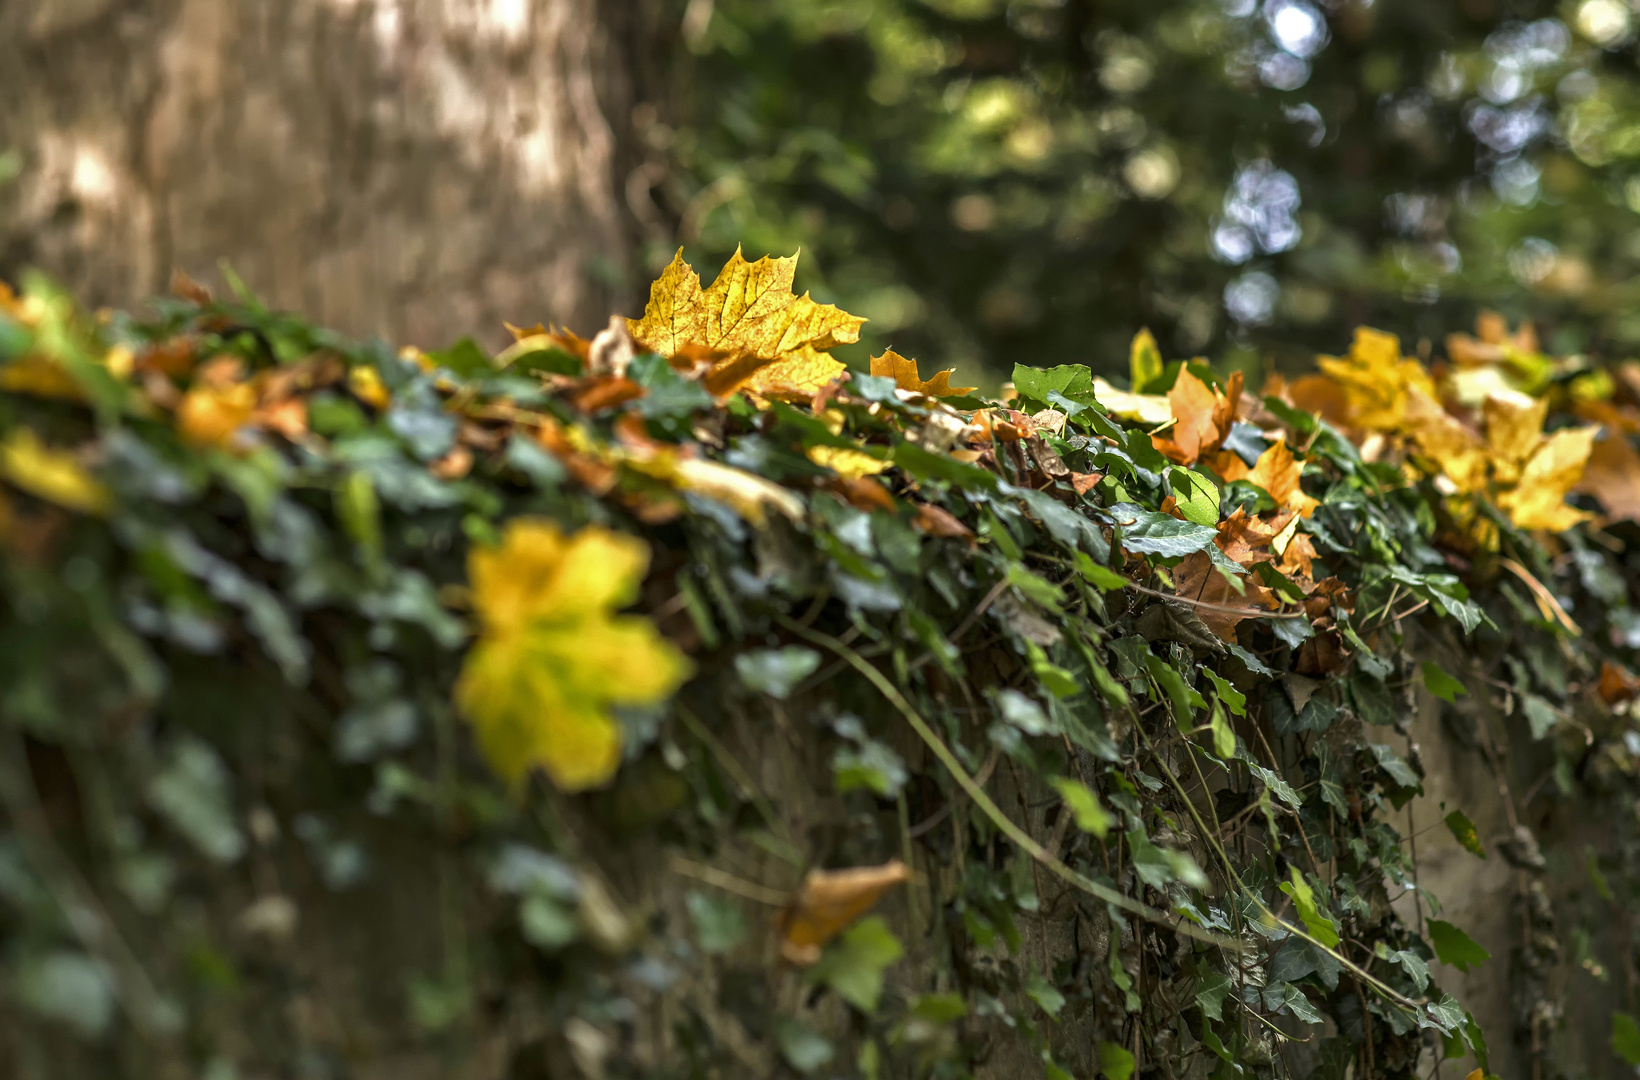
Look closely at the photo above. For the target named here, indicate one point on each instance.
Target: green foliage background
(992, 180)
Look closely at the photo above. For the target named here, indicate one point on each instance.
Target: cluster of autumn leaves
(553, 657)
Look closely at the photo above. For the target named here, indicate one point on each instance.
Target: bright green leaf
(1455, 947)
(1320, 926)
(1115, 1062)
(1089, 816)
(1441, 684)
(853, 965)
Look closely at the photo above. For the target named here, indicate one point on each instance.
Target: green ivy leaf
(776, 672)
(1172, 684)
(802, 1046)
(1454, 947)
(1071, 380)
(853, 965)
(1441, 684)
(1320, 927)
(719, 923)
(1089, 816)
(1198, 499)
(1102, 578)
(1224, 737)
(1115, 1063)
(1463, 830)
(1233, 699)
(1626, 1038)
(1149, 861)
(1150, 533)
(1211, 988)
(1045, 994)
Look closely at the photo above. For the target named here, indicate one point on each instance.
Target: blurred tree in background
(1002, 180)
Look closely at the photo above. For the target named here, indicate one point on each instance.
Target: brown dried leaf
(1196, 578)
(828, 902)
(1612, 476)
(937, 521)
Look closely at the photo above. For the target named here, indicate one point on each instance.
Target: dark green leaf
(1455, 947)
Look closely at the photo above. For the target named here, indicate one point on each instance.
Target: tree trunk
(418, 169)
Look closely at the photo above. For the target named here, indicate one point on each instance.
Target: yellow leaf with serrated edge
(553, 658)
(1538, 500)
(762, 338)
(903, 371)
(52, 475)
(1377, 380)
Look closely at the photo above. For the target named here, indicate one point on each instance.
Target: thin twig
(1228, 609)
(760, 894)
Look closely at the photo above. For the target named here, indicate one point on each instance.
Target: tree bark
(417, 169)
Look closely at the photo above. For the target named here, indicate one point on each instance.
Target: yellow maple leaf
(53, 475)
(1447, 444)
(904, 373)
(1538, 498)
(764, 338)
(1377, 380)
(1527, 473)
(553, 658)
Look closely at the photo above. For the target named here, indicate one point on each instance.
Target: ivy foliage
(328, 736)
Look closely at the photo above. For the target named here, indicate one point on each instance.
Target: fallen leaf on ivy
(1241, 536)
(53, 475)
(904, 373)
(864, 493)
(828, 902)
(596, 393)
(747, 494)
(1297, 560)
(1376, 380)
(938, 521)
(366, 384)
(1616, 684)
(1191, 402)
(1538, 500)
(1146, 409)
(847, 463)
(773, 343)
(41, 376)
(1144, 360)
(553, 658)
(1204, 415)
(218, 404)
(1278, 473)
(1197, 578)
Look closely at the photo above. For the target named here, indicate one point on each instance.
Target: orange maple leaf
(903, 371)
(1203, 416)
(1277, 472)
